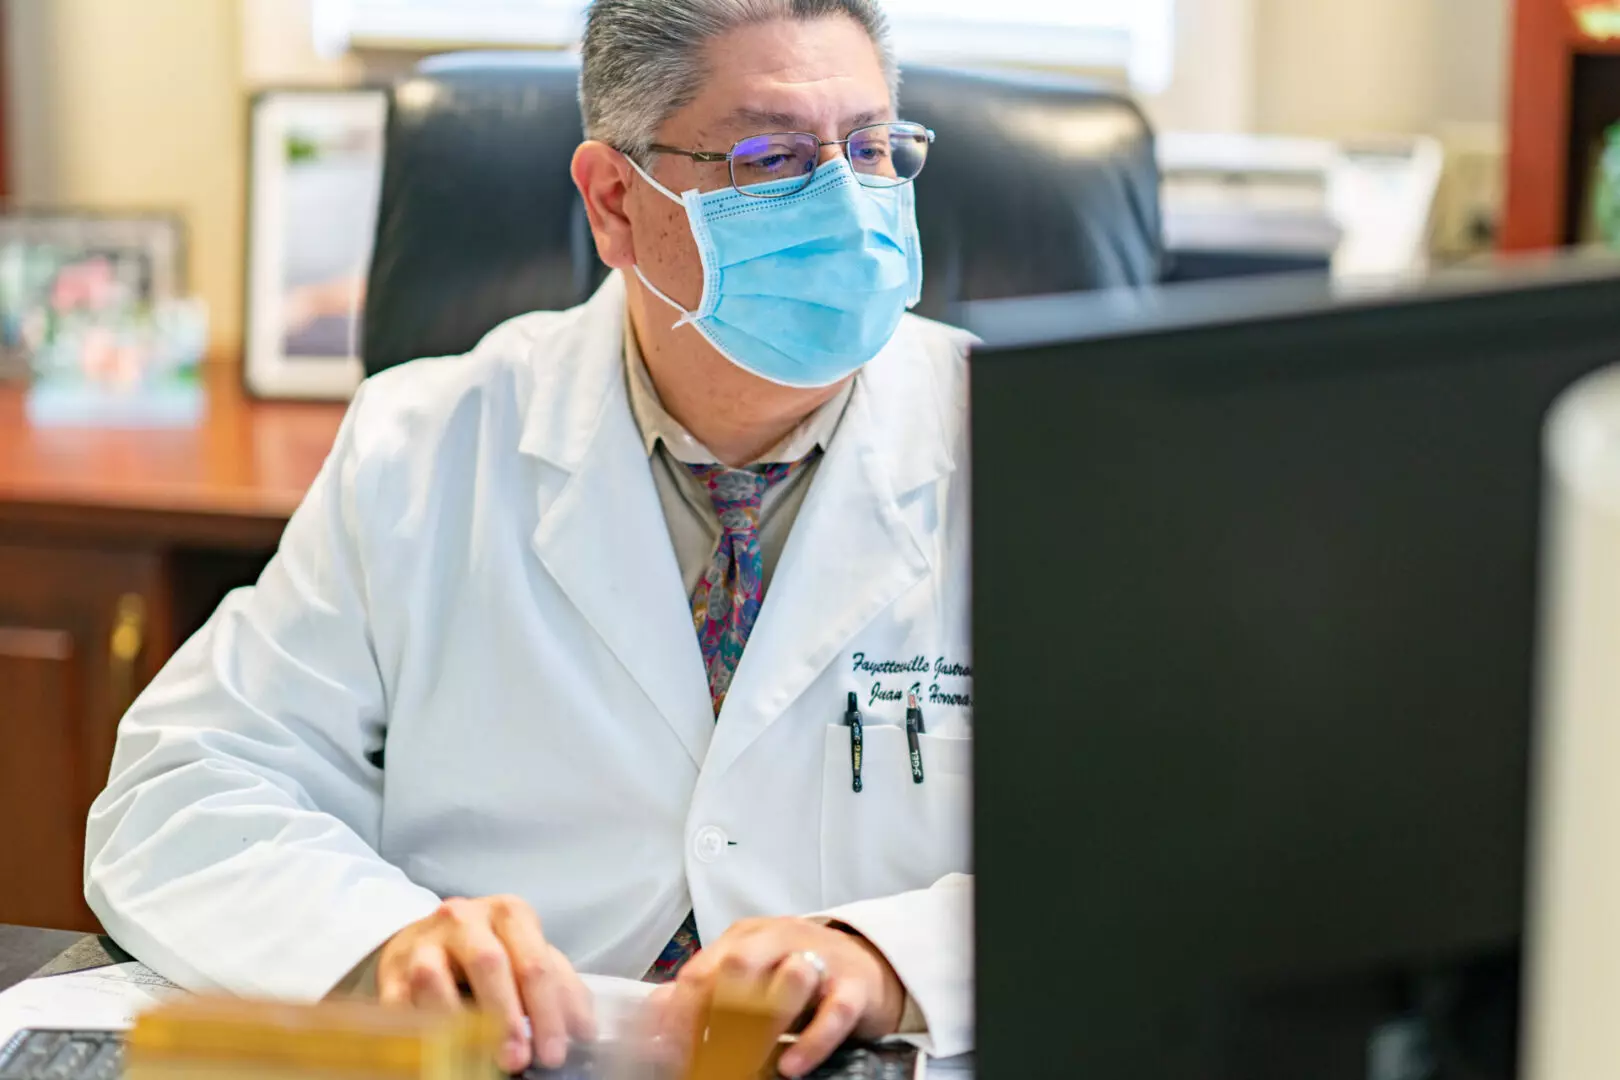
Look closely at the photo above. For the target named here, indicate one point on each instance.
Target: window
(1135, 36)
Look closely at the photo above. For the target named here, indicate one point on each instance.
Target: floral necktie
(725, 605)
(726, 601)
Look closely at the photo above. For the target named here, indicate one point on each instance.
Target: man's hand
(494, 948)
(859, 994)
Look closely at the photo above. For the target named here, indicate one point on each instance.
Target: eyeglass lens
(883, 155)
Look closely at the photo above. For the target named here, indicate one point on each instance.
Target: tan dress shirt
(694, 528)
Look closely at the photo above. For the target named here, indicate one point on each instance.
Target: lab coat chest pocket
(894, 835)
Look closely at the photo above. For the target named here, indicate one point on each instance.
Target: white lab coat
(482, 581)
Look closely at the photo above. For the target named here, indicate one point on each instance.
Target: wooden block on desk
(231, 1039)
(737, 1039)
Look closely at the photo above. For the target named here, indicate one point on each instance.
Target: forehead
(809, 74)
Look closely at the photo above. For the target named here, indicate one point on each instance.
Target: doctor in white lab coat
(462, 731)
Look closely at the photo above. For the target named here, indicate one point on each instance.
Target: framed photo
(58, 266)
(1600, 223)
(315, 173)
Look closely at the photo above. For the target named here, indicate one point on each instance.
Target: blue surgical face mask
(802, 289)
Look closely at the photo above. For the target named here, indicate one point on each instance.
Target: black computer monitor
(1255, 578)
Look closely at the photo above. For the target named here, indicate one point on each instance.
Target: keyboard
(99, 1055)
(62, 1055)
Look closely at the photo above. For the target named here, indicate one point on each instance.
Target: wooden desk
(115, 545)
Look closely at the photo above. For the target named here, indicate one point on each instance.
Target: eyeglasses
(881, 155)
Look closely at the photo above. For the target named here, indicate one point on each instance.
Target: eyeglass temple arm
(706, 156)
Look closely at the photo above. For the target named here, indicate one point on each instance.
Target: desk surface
(24, 950)
(233, 479)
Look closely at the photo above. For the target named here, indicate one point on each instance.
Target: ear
(603, 177)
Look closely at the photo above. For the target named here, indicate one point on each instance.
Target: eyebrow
(787, 122)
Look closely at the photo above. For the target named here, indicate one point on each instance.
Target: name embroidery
(933, 689)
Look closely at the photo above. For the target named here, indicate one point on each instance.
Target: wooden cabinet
(114, 547)
(1566, 93)
(77, 633)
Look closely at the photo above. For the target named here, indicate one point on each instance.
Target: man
(471, 671)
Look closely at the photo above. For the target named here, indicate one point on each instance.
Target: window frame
(1133, 36)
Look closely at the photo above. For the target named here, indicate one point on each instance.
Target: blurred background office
(143, 106)
(188, 291)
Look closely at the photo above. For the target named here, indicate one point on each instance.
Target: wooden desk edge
(164, 526)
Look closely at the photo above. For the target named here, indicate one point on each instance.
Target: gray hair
(643, 59)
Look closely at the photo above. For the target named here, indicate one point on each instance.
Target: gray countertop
(24, 951)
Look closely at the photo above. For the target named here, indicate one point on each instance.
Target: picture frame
(1600, 222)
(315, 175)
(138, 256)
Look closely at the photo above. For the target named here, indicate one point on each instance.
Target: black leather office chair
(1036, 185)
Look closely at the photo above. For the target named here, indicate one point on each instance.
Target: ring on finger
(816, 963)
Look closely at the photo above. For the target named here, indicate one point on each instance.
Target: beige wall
(137, 104)
(1213, 85)
(1327, 67)
(278, 48)
(1475, 38)
(1335, 68)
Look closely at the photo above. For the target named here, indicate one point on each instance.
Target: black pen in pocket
(857, 739)
(914, 727)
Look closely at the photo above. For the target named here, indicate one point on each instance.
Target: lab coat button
(708, 843)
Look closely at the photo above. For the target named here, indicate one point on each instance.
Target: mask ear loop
(647, 176)
(687, 317)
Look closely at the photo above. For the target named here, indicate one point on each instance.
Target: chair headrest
(1037, 184)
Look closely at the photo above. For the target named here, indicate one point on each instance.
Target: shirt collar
(656, 425)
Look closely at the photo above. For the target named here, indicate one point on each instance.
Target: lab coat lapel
(851, 552)
(601, 533)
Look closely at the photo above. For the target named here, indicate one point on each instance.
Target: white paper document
(105, 997)
(618, 1003)
(111, 997)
